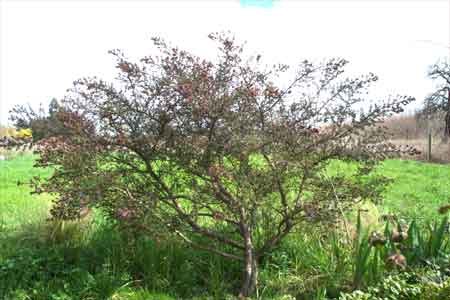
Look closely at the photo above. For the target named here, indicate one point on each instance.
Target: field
(91, 259)
(18, 207)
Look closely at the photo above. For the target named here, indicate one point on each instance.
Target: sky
(46, 45)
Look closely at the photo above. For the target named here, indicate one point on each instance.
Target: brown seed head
(376, 239)
(397, 261)
(398, 237)
(444, 209)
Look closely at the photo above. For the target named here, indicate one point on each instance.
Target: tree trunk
(447, 126)
(447, 119)
(250, 276)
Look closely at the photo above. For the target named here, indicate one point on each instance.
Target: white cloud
(45, 45)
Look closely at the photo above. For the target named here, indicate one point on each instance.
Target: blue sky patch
(258, 3)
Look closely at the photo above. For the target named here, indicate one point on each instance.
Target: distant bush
(24, 133)
(41, 122)
(414, 126)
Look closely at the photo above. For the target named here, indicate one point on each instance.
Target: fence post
(429, 147)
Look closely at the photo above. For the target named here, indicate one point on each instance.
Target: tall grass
(17, 206)
(93, 259)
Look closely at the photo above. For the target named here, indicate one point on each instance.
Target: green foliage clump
(406, 286)
(399, 247)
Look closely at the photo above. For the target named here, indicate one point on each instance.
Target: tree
(215, 151)
(439, 101)
(42, 124)
(23, 115)
(53, 108)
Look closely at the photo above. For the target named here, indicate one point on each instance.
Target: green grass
(419, 189)
(93, 260)
(17, 206)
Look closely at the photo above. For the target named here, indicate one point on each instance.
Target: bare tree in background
(438, 103)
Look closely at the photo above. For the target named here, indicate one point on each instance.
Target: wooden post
(429, 147)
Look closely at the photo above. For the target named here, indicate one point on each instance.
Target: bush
(24, 133)
(215, 152)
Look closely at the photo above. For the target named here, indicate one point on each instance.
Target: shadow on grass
(93, 260)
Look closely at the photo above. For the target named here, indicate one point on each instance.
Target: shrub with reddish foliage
(217, 148)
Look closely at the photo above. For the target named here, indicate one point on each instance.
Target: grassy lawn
(17, 206)
(98, 263)
(419, 189)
